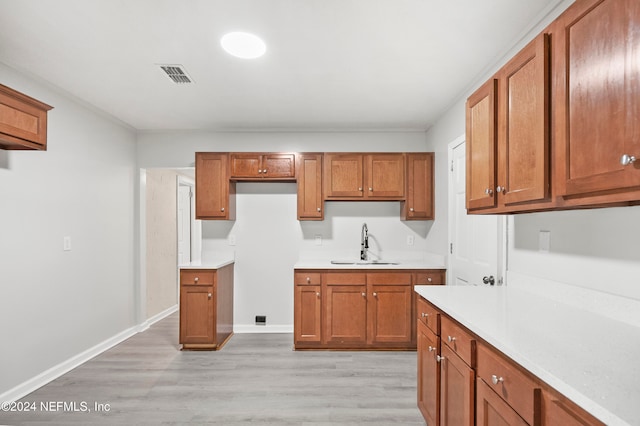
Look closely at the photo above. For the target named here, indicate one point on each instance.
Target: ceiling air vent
(176, 73)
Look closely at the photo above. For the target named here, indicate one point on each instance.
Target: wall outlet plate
(544, 241)
(261, 320)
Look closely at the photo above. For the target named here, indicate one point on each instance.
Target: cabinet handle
(495, 379)
(502, 189)
(264, 170)
(429, 279)
(222, 209)
(424, 315)
(371, 189)
(488, 191)
(209, 295)
(196, 279)
(411, 209)
(359, 189)
(451, 339)
(375, 294)
(626, 159)
(431, 349)
(259, 170)
(364, 294)
(439, 358)
(318, 293)
(319, 209)
(308, 280)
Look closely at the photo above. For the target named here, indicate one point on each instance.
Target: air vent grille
(176, 73)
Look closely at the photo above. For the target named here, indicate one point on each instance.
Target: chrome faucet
(364, 242)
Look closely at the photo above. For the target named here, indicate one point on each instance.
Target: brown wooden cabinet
(493, 410)
(215, 193)
(508, 145)
(419, 204)
(206, 307)
(558, 410)
(428, 374)
(355, 309)
(271, 166)
(310, 201)
(23, 121)
(350, 176)
(597, 101)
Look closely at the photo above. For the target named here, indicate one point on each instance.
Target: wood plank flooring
(255, 379)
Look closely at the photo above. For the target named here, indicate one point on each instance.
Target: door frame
(502, 236)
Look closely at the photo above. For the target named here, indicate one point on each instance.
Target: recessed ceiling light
(243, 45)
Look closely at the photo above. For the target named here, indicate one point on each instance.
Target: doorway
(476, 242)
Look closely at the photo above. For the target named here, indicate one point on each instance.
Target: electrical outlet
(544, 241)
(261, 320)
(410, 240)
(66, 243)
(232, 240)
(318, 239)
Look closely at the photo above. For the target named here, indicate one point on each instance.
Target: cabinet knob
(359, 189)
(501, 189)
(625, 160)
(264, 170)
(308, 279)
(431, 349)
(488, 191)
(451, 339)
(424, 315)
(439, 358)
(196, 279)
(411, 209)
(364, 294)
(429, 279)
(222, 209)
(495, 379)
(370, 189)
(259, 170)
(318, 293)
(319, 209)
(209, 295)
(375, 294)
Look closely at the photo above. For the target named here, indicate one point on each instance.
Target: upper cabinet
(364, 176)
(419, 203)
(23, 121)
(310, 202)
(557, 127)
(215, 193)
(597, 102)
(273, 166)
(508, 161)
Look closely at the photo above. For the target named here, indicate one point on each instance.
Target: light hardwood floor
(256, 379)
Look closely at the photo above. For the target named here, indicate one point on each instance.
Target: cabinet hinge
(451, 248)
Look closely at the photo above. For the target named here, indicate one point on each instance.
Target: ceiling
(330, 64)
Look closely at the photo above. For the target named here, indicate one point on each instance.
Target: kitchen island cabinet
(535, 355)
(206, 306)
(357, 308)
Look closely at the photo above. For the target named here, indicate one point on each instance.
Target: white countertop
(216, 261)
(587, 354)
(401, 260)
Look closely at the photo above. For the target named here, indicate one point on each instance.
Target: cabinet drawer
(510, 382)
(461, 342)
(429, 277)
(307, 278)
(197, 276)
(338, 278)
(389, 278)
(428, 315)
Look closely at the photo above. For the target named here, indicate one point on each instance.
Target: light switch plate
(232, 240)
(66, 243)
(410, 240)
(318, 239)
(544, 241)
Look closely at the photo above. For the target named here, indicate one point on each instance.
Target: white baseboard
(252, 328)
(64, 367)
(157, 317)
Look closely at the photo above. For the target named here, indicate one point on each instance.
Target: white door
(473, 239)
(184, 224)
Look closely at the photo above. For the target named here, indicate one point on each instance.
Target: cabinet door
(23, 121)
(345, 315)
(428, 375)
(598, 92)
(307, 315)
(558, 410)
(197, 314)
(481, 146)
(245, 165)
(420, 200)
(494, 411)
(385, 176)
(279, 166)
(213, 189)
(390, 314)
(343, 176)
(523, 154)
(310, 204)
(456, 390)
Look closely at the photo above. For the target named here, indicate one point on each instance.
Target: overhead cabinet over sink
(251, 166)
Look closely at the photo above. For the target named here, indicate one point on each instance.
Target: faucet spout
(364, 242)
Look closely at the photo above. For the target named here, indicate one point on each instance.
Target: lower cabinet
(476, 384)
(206, 307)
(356, 309)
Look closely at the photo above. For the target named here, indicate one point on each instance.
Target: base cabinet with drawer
(357, 309)
(206, 307)
(475, 384)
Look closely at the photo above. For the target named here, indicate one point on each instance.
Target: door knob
(489, 280)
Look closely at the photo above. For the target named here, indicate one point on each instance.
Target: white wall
(269, 238)
(55, 304)
(597, 249)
